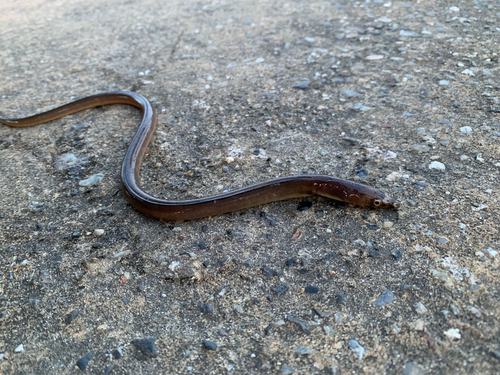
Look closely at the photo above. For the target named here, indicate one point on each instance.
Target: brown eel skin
(265, 192)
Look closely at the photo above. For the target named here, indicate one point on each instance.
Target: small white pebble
(98, 232)
(466, 129)
(393, 176)
(388, 224)
(463, 157)
(437, 165)
(453, 333)
(19, 349)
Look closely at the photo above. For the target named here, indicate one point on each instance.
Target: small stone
(108, 370)
(311, 289)
(208, 345)
(92, 180)
(388, 224)
(384, 299)
(453, 334)
(302, 86)
(259, 60)
(304, 350)
(71, 316)
(356, 348)
(117, 353)
(349, 93)
(291, 262)
(411, 369)
(287, 370)
(341, 298)
(83, 362)
(98, 232)
(444, 82)
(362, 173)
(207, 309)
(301, 324)
(329, 331)
(437, 165)
(454, 9)
(280, 289)
(374, 57)
(147, 346)
(420, 308)
(19, 349)
(466, 129)
(397, 254)
(269, 272)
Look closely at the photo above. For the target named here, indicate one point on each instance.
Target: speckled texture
(393, 87)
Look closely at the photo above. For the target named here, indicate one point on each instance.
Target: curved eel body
(254, 195)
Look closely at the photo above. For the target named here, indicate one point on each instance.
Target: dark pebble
(76, 234)
(125, 300)
(270, 298)
(40, 225)
(207, 309)
(320, 214)
(362, 173)
(304, 206)
(350, 140)
(281, 288)
(202, 245)
(301, 324)
(421, 183)
(71, 316)
(218, 121)
(147, 347)
(291, 262)
(204, 228)
(74, 192)
(59, 258)
(311, 289)
(456, 104)
(97, 245)
(108, 370)
(397, 254)
(339, 231)
(224, 260)
(83, 362)
(303, 270)
(403, 287)
(271, 220)
(302, 85)
(374, 253)
(269, 272)
(268, 328)
(117, 353)
(372, 227)
(341, 298)
(330, 255)
(209, 345)
(496, 354)
(384, 299)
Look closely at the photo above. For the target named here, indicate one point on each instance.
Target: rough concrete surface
(401, 95)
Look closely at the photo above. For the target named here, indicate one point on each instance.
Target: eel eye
(377, 202)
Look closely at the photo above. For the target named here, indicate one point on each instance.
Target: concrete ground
(399, 95)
